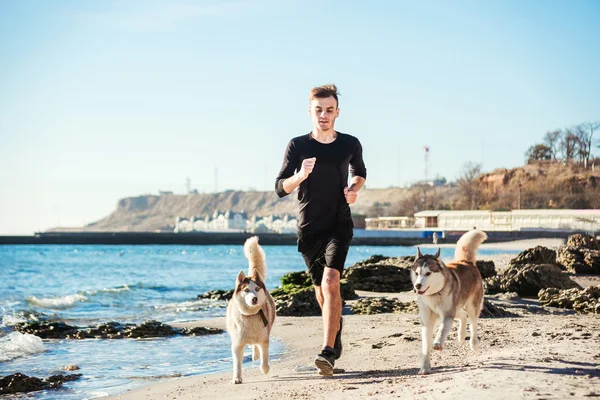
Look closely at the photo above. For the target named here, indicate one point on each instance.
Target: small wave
(16, 317)
(152, 377)
(17, 344)
(122, 288)
(197, 305)
(57, 302)
(11, 320)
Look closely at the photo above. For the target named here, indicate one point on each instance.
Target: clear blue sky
(101, 100)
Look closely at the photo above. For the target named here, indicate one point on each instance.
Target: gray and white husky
(448, 291)
(251, 311)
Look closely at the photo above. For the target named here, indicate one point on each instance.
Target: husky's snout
(254, 300)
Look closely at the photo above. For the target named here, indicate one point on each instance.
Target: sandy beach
(538, 354)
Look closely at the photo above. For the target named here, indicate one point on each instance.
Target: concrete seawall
(361, 237)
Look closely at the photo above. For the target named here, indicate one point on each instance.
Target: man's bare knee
(330, 286)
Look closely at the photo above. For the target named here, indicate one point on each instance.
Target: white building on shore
(227, 221)
(237, 222)
(273, 223)
(514, 220)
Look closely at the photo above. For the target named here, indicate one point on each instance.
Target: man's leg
(331, 306)
(336, 251)
(330, 300)
(319, 294)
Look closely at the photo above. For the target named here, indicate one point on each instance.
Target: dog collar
(263, 317)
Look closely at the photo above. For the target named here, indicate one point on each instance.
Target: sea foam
(57, 302)
(17, 344)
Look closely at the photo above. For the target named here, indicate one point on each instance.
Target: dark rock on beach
(536, 255)
(585, 301)
(532, 270)
(490, 310)
(493, 285)
(298, 278)
(381, 274)
(381, 305)
(527, 280)
(299, 303)
(109, 330)
(150, 329)
(580, 255)
(487, 269)
(200, 331)
(217, 294)
(19, 383)
(47, 329)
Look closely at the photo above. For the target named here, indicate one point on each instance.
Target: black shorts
(325, 250)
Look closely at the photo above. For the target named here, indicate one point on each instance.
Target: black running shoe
(337, 346)
(325, 361)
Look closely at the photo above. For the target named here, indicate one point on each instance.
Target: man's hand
(307, 167)
(350, 195)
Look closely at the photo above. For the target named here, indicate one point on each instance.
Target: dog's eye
(427, 274)
(258, 288)
(416, 273)
(247, 290)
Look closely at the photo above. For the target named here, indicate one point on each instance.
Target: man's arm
(295, 180)
(287, 180)
(351, 192)
(359, 175)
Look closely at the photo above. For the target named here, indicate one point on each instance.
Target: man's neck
(324, 136)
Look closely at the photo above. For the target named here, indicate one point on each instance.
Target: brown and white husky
(251, 311)
(448, 291)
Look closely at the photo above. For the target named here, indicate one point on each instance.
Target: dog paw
(474, 345)
(437, 346)
(265, 369)
(235, 381)
(424, 371)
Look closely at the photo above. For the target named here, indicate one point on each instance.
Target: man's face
(323, 113)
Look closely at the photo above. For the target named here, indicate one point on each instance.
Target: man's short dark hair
(323, 92)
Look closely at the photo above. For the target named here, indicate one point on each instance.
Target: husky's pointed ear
(241, 277)
(259, 276)
(419, 255)
(437, 255)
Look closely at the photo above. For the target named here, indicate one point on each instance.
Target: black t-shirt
(321, 195)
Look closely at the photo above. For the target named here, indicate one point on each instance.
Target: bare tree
(568, 145)
(552, 140)
(585, 134)
(469, 186)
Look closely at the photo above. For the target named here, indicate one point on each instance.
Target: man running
(318, 164)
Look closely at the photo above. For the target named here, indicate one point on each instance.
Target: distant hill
(541, 185)
(158, 213)
(538, 185)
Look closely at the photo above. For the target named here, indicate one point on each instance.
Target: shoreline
(552, 355)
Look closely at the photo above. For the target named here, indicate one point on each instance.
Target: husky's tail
(467, 245)
(256, 258)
